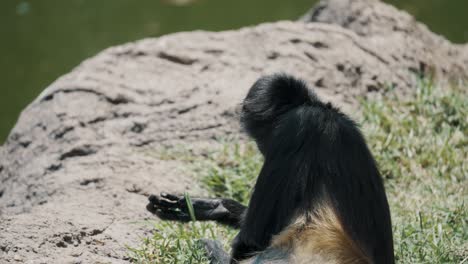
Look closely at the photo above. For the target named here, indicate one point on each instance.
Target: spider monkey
(319, 197)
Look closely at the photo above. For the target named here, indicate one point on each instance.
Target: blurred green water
(43, 39)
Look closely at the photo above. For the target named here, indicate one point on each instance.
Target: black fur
(311, 149)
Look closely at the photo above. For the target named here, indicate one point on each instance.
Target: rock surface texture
(75, 169)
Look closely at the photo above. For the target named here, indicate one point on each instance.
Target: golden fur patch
(319, 237)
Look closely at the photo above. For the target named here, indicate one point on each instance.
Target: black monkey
(319, 197)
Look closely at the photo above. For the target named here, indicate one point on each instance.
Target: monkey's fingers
(165, 213)
(151, 207)
(171, 200)
(172, 215)
(173, 207)
(171, 197)
(158, 201)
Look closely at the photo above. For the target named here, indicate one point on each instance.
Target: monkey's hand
(173, 207)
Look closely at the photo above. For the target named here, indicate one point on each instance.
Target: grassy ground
(421, 146)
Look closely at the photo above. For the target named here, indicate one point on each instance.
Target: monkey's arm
(174, 207)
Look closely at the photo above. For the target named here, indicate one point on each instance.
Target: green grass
(421, 146)
(176, 243)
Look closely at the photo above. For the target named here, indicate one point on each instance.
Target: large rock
(397, 37)
(76, 168)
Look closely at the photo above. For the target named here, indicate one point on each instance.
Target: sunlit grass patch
(421, 147)
(231, 173)
(174, 242)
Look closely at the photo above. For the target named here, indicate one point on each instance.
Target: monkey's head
(268, 99)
